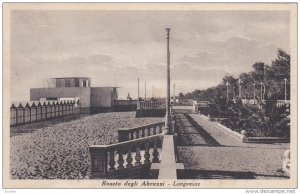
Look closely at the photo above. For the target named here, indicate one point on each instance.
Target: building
(91, 99)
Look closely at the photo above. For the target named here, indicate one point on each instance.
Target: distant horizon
(205, 46)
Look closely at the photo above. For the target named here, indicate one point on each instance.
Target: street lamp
(254, 93)
(262, 94)
(285, 80)
(168, 129)
(240, 88)
(227, 84)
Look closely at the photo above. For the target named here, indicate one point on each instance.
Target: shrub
(259, 121)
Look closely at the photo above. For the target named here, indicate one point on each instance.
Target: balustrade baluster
(154, 130)
(155, 153)
(112, 161)
(147, 154)
(149, 129)
(137, 134)
(132, 135)
(138, 156)
(129, 159)
(120, 160)
(160, 128)
(143, 132)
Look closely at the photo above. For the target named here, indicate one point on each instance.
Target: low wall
(124, 105)
(150, 113)
(267, 140)
(246, 139)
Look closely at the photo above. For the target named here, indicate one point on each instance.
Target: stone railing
(286, 165)
(279, 103)
(126, 134)
(151, 105)
(107, 161)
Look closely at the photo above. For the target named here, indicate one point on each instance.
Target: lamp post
(240, 88)
(168, 112)
(227, 94)
(254, 93)
(262, 92)
(174, 97)
(138, 89)
(285, 94)
(145, 91)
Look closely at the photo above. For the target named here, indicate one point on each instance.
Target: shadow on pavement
(207, 137)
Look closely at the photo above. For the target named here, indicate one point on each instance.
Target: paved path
(208, 152)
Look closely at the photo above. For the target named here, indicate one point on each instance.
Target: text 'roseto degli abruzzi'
(135, 183)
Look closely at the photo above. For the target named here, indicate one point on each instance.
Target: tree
(280, 70)
(259, 71)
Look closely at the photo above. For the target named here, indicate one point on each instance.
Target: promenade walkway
(209, 153)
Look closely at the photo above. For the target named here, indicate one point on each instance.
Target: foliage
(264, 82)
(271, 77)
(259, 121)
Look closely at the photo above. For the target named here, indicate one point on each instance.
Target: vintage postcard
(150, 95)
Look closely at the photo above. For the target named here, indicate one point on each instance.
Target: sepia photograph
(150, 95)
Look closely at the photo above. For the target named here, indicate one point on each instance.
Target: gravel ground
(60, 151)
(232, 156)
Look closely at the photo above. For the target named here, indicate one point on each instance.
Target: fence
(32, 111)
(279, 103)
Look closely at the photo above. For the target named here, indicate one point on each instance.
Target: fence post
(99, 161)
(123, 135)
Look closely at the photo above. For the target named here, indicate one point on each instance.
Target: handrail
(126, 143)
(142, 126)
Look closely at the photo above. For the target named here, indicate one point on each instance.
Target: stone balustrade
(107, 161)
(126, 134)
(151, 105)
(287, 163)
(281, 103)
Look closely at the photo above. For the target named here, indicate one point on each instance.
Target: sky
(205, 46)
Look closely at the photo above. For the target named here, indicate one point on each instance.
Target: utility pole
(152, 92)
(285, 94)
(168, 113)
(138, 88)
(174, 99)
(227, 93)
(115, 79)
(145, 91)
(240, 88)
(254, 93)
